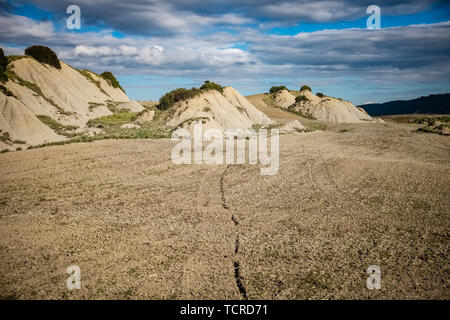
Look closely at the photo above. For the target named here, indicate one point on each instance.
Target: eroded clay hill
(36, 93)
(227, 110)
(320, 107)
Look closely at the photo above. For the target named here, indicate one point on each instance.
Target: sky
(154, 46)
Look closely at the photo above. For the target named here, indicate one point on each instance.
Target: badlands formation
(318, 106)
(227, 110)
(42, 104)
(69, 96)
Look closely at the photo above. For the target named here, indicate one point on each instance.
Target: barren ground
(139, 226)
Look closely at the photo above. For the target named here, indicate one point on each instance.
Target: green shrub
(44, 55)
(275, 89)
(305, 87)
(343, 130)
(211, 86)
(170, 98)
(180, 94)
(5, 138)
(3, 66)
(109, 77)
(301, 99)
(4, 151)
(428, 120)
(320, 94)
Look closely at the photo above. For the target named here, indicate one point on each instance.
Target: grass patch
(437, 124)
(190, 120)
(35, 88)
(317, 126)
(306, 115)
(118, 118)
(443, 129)
(13, 58)
(343, 130)
(257, 126)
(148, 131)
(4, 151)
(7, 92)
(268, 99)
(431, 120)
(56, 126)
(93, 105)
(87, 74)
(112, 106)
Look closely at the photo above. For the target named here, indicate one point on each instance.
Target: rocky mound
(284, 99)
(34, 91)
(292, 126)
(328, 108)
(229, 110)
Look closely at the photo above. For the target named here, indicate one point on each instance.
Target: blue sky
(153, 46)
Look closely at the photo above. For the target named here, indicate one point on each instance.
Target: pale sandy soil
(139, 226)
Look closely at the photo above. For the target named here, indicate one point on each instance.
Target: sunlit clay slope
(320, 107)
(36, 91)
(229, 110)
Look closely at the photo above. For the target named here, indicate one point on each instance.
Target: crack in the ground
(222, 192)
(238, 278)
(236, 264)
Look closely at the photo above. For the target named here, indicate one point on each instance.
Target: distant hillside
(433, 104)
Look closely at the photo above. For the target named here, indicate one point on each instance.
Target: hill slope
(229, 110)
(308, 105)
(37, 99)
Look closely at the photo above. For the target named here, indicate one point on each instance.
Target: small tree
(3, 66)
(109, 77)
(301, 99)
(275, 89)
(44, 55)
(320, 94)
(305, 87)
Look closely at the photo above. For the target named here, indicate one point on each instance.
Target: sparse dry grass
(141, 227)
